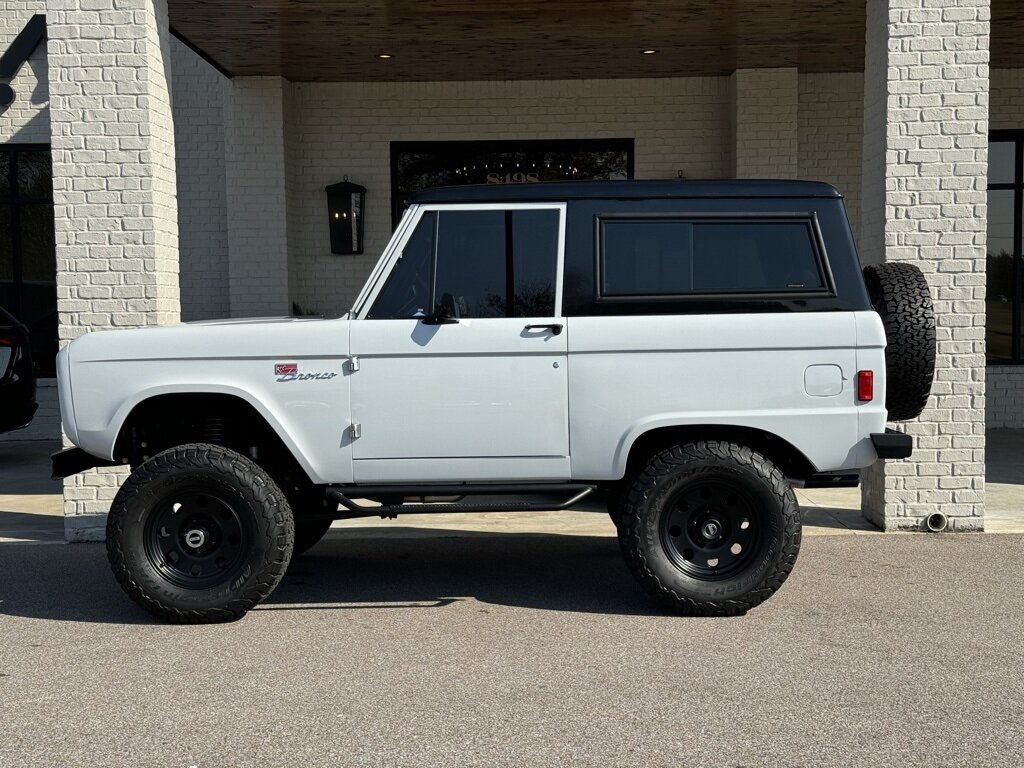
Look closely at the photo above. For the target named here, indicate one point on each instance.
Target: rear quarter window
(673, 258)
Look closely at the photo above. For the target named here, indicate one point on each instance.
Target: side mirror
(445, 313)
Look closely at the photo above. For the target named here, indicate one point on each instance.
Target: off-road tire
(198, 468)
(681, 469)
(899, 293)
(308, 534)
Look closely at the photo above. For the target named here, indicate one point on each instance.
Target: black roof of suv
(625, 190)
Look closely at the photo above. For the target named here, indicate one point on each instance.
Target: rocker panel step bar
(343, 496)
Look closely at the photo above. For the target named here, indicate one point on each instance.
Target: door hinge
(356, 430)
(353, 364)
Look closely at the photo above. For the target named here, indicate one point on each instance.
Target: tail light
(865, 386)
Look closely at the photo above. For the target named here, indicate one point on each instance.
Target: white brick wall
(831, 131)
(198, 94)
(256, 197)
(294, 184)
(925, 156)
(114, 188)
(27, 120)
(678, 124)
(765, 123)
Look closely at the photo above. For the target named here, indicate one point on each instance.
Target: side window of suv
(407, 290)
(680, 257)
(486, 263)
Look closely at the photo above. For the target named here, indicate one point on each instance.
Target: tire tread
(677, 457)
(270, 502)
(900, 293)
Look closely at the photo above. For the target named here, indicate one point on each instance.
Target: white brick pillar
(256, 197)
(925, 165)
(765, 108)
(113, 187)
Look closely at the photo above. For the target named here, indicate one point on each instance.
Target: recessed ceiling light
(648, 51)
(383, 55)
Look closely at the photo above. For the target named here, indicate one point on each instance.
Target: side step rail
(343, 496)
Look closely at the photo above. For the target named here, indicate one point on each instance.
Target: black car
(17, 380)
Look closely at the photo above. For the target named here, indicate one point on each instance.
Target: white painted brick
(901, 164)
(93, 147)
(256, 197)
(831, 130)
(27, 120)
(765, 123)
(198, 94)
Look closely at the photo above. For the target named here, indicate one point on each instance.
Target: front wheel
(199, 534)
(710, 528)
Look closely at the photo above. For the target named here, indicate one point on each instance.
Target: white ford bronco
(689, 351)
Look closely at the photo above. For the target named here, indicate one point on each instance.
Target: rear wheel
(199, 534)
(710, 528)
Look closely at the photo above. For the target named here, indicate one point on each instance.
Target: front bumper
(892, 444)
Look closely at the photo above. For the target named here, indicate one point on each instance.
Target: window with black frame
(490, 263)
(645, 258)
(28, 265)
(1004, 322)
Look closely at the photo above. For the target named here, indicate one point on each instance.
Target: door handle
(555, 328)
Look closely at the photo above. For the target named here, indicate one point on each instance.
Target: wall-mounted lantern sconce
(345, 208)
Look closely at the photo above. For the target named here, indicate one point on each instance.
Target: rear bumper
(892, 444)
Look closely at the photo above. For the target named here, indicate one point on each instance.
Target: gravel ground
(523, 650)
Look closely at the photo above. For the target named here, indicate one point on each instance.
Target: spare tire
(899, 293)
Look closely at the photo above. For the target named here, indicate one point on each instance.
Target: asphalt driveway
(523, 649)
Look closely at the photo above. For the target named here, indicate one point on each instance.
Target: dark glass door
(1005, 272)
(28, 264)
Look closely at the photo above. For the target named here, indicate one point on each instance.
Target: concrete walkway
(31, 509)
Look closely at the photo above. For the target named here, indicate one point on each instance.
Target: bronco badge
(290, 372)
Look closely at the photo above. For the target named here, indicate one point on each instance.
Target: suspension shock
(213, 430)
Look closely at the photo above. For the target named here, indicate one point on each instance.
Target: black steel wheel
(199, 534)
(710, 528)
(196, 538)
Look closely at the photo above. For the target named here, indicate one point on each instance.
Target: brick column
(257, 197)
(114, 188)
(925, 165)
(764, 120)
